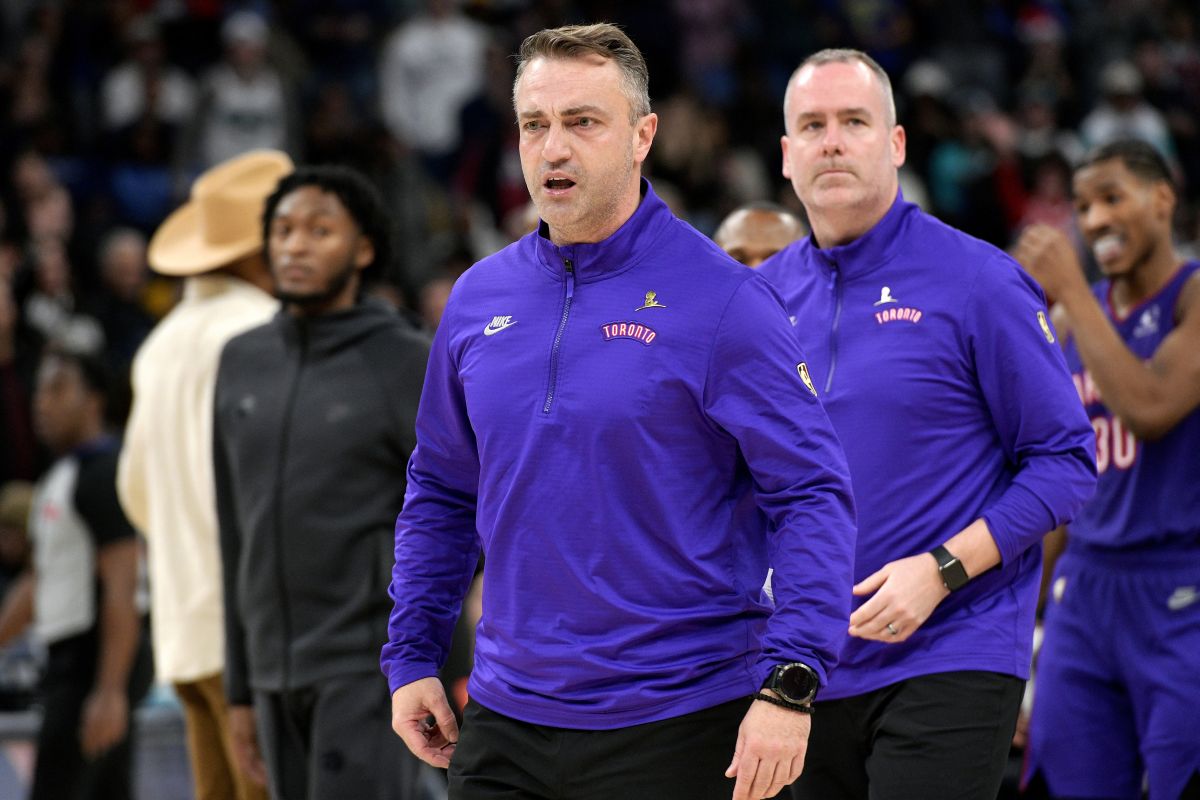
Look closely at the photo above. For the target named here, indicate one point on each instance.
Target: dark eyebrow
(304, 214)
(840, 112)
(1108, 185)
(574, 111)
(580, 111)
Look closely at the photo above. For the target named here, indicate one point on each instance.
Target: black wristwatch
(954, 574)
(795, 683)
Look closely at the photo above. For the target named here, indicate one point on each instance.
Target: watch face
(796, 683)
(955, 574)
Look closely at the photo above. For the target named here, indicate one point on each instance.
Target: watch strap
(777, 701)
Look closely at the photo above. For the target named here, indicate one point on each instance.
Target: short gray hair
(845, 55)
(602, 39)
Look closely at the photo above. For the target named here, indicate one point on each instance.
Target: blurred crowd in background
(109, 108)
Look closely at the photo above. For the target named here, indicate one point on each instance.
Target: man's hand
(412, 705)
(769, 753)
(906, 593)
(1021, 734)
(1048, 255)
(104, 722)
(243, 732)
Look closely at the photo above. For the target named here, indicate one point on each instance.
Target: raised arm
(1151, 397)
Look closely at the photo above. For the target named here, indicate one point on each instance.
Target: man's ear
(643, 136)
(899, 146)
(1164, 201)
(364, 252)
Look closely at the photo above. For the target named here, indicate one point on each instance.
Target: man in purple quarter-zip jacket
(620, 416)
(965, 440)
(1118, 689)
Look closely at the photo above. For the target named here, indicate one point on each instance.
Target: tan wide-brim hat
(222, 222)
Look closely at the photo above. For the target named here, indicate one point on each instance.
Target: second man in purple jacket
(966, 444)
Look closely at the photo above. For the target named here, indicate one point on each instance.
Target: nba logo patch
(1045, 324)
(802, 368)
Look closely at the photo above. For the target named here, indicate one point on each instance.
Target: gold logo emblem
(1045, 327)
(651, 302)
(802, 368)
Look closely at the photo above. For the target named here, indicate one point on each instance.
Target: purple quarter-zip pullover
(937, 364)
(626, 429)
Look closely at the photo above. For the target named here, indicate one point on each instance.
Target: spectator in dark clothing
(313, 426)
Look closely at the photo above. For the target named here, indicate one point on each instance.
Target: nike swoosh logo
(488, 330)
(1182, 598)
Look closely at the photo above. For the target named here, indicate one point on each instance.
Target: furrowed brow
(579, 111)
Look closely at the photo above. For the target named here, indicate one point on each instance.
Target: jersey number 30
(1114, 444)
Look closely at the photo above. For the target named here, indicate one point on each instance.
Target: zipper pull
(569, 265)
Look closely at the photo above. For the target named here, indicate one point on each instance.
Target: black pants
(683, 758)
(931, 737)
(334, 741)
(62, 771)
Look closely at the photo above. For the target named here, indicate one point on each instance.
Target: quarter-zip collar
(874, 248)
(595, 261)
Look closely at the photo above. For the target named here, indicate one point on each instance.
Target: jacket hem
(542, 711)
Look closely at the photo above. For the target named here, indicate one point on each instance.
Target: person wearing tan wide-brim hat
(165, 478)
(222, 221)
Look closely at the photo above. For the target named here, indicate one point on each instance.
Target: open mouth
(1107, 247)
(558, 184)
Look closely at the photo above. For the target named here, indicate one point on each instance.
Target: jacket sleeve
(237, 681)
(1034, 406)
(436, 542)
(757, 392)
